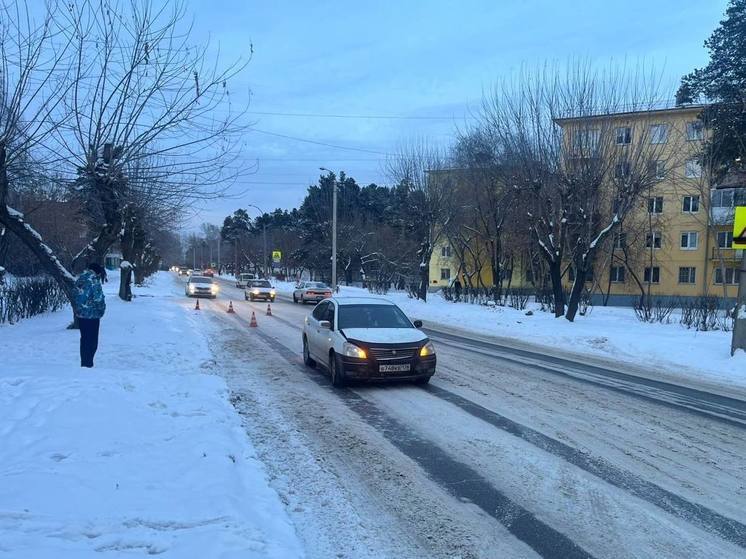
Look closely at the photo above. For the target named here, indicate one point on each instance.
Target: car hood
(385, 335)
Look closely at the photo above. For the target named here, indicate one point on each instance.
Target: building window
(445, 273)
(732, 276)
(624, 135)
(695, 131)
(622, 170)
(693, 169)
(723, 198)
(687, 274)
(653, 240)
(725, 239)
(617, 274)
(585, 141)
(689, 240)
(691, 204)
(445, 251)
(652, 275)
(659, 134)
(659, 169)
(655, 205)
(620, 240)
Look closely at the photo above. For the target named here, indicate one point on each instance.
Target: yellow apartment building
(677, 241)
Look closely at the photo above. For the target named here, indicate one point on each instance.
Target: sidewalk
(142, 454)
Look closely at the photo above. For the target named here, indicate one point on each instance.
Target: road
(505, 454)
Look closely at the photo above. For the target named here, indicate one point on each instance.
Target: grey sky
(412, 58)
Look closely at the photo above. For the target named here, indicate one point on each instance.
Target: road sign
(276, 256)
(739, 228)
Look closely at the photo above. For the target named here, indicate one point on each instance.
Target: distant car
(365, 338)
(208, 272)
(311, 292)
(260, 289)
(201, 286)
(183, 271)
(242, 280)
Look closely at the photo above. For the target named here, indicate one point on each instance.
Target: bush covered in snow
(26, 297)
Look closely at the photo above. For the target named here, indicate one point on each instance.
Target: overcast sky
(429, 59)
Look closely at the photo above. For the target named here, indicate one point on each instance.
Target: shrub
(26, 297)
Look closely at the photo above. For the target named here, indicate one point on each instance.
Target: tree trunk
(555, 275)
(125, 283)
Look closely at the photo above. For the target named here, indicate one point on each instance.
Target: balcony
(722, 216)
(727, 254)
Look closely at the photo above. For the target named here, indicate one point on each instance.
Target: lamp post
(334, 229)
(264, 234)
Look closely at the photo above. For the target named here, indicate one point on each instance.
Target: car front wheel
(336, 370)
(307, 354)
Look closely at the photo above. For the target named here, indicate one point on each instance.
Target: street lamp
(264, 233)
(334, 230)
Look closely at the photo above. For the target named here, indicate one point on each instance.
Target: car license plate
(393, 368)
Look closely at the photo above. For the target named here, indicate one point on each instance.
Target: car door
(296, 291)
(313, 332)
(326, 337)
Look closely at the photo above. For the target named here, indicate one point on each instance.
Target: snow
(384, 335)
(662, 351)
(141, 455)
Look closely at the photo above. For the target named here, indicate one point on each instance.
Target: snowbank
(142, 454)
(669, 350)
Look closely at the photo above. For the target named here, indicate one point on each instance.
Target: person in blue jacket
(90, 307)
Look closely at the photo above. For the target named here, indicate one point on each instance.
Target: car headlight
(255, 291)
(214, 289)
(191, 288)
(427, 349)
(351, 350)
(271, 291)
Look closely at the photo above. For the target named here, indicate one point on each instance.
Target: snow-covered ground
(614, 333)
(141, 455)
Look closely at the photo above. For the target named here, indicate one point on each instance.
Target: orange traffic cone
(230, 307)
(196, 306)
(253, 323)
(269, 310)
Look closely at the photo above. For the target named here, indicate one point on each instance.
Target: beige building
(677, 241)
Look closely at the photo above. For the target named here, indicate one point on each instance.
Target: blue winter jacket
(89, 300)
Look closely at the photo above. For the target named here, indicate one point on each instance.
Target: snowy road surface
(500, 457)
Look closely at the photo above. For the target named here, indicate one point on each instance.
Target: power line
(317, 142)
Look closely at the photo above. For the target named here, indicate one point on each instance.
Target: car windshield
(315, 285)
(260, 283)
(372, 316)
(199, 279)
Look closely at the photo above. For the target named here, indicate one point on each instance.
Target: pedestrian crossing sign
(739, 227)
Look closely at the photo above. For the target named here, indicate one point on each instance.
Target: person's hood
(384, 335)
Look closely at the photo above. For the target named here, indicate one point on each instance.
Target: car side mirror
(325, 324)
(418, 324)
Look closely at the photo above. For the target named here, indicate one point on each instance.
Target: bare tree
(578, 181)
(34, 63)
(422, 170)
(142, 95)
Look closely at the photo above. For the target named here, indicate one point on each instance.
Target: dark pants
(88, 340)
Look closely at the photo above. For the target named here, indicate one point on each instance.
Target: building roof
(623, 113)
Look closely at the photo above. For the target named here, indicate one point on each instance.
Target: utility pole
(334, 229)
(739, 324)
(739, 241)
(264, 251)
(219, 239)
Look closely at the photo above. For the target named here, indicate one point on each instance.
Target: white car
(311, 291)
(242, 280)
(201, 286)
(259, 289)
(366, 338)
